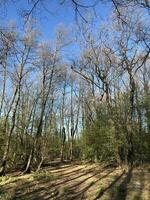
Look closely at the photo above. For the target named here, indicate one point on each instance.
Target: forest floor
(78, 181)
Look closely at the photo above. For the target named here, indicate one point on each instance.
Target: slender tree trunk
(14, 112)
(63, 131)
(40, 164)
(3, 90)
(7, 145)
(72, 124)
(30, 156)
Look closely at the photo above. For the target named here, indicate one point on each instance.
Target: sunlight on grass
(6, 195)
(65, 190)
(137, 198)
(12, 182)
(43, 176)
(7, 179)
(100, 189)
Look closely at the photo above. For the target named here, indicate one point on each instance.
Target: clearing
(78, 181)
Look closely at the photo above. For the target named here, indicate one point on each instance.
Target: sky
(47, 18)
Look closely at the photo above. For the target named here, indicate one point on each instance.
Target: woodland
(78, 100)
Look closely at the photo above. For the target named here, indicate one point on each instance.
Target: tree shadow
(73, 171)
(31, 196)
(54, 165)
(101, 192)
(72, 194)
(28, 183)
(95, 174)
(122, 188)
(40, 181)
(83, 191)
(22, 183)
(84, 173)
(139, 188)
(43, 189)
(46, 189)
(2, 191)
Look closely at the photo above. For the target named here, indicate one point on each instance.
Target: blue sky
(47, 22)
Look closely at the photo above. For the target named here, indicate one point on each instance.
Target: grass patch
(11, 179)
(65, 190)
(100, 190)
(43, 176)
(137, 198)
(7, 179)
(6, 195)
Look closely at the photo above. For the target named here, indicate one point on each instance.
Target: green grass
(12, 181)
(137, 198)
(43, 176)
(100, 190)
(6, 195)
(8, 179)
(65, 190)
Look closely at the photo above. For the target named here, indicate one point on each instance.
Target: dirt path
(78, 181)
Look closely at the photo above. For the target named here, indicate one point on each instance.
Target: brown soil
(79, 181)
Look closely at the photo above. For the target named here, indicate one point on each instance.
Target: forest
(76, 101)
